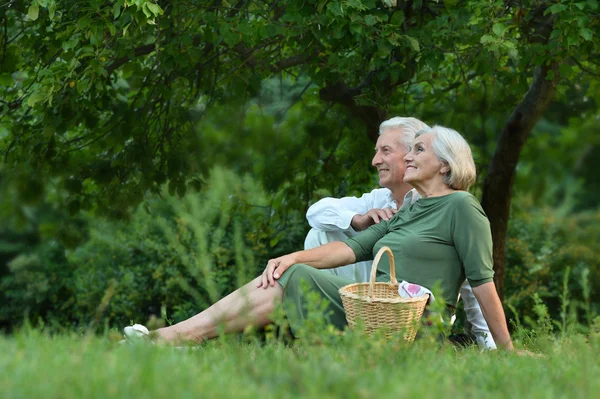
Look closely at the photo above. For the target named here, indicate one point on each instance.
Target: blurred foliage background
(156, 154)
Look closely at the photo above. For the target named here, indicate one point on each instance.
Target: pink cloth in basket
(410, 290)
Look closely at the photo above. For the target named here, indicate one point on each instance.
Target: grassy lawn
(34, 365)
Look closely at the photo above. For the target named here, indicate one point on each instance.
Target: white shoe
(137, 331)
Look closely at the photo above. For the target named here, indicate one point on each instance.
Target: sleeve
(332, 214)
(473, 240)
(363, 243)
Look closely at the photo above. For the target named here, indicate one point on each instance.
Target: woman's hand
(275, 268)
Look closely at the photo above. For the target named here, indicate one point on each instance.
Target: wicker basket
(379, 304)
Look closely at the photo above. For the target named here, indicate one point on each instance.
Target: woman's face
(421, 163)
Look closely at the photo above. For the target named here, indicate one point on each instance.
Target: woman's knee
(299, 270)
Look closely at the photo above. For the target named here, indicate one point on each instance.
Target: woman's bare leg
(245, 306)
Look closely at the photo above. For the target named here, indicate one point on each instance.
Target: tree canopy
(108, 100)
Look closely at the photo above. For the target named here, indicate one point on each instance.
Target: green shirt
(438, 239)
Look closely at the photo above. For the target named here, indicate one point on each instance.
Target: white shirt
(334, 214)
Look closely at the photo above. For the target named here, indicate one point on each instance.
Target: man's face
(389, 158)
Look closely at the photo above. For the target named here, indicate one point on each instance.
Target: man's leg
(358, 272)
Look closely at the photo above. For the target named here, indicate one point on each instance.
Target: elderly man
(335, 219)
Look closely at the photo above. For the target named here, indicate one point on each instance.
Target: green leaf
(155, 9)
(71, 43)
(414, 43)
(572, 40)
(321, 5)
(84, 22)
(393, 39)
(397, 18)
(52, 9)
(35, 98)
(33, 12)
(586, 33)
(565, 70)
(370, 20)
(146, 10)
(6, 80)
(499, 29)
(112, 29)
(116, 10)
(336, 8)
(556, 8)
(486, 39)
(357, 29)
(125, 29)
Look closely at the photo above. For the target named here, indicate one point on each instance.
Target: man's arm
(333, 214)
(475, 317)
(494, 314)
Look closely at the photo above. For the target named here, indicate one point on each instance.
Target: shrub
(542, 246)
(173, 256)
(177, 255)
(38, 286)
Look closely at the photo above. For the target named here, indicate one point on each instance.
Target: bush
(38, 286)
(173, 257)
(542, 248)
(177, 256)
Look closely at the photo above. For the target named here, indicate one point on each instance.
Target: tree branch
(584, 69)
(292, 62)
(458, 83)
(138, 52)
(342, 94)
(247, 55)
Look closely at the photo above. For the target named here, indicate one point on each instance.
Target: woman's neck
(435, 190)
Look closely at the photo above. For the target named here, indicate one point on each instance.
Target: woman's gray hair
(452, 149)
(409, 126)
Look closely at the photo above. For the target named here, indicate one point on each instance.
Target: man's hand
(374, 216)
(274, 270)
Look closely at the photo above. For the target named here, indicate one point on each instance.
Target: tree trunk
(497, 187)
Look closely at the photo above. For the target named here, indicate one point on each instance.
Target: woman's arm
(494, 314)
(326, 256)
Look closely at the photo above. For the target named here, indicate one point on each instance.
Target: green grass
(35, 365)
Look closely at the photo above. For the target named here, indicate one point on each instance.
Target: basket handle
(374, 269)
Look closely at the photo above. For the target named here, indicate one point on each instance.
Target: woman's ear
(445, 168)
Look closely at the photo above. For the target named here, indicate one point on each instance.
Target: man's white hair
(409, 127)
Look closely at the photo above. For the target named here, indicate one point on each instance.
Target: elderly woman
(443, 237)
